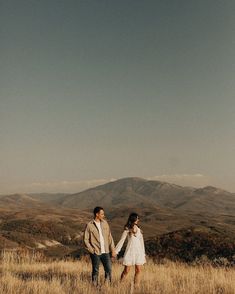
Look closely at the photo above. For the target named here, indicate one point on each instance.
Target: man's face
(100, 214)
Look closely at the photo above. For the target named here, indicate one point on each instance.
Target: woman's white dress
(135, 251)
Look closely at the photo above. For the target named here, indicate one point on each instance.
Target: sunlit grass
(27, 273)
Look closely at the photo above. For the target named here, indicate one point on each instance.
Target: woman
(135, 251)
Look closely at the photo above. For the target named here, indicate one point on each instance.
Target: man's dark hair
(97, 209)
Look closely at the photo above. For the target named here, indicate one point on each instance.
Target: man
(99, 242)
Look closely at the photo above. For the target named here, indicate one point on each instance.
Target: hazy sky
(98, 90)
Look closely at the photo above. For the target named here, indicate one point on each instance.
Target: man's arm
(86, 239)
(111, 244)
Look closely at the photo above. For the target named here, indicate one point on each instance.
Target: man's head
(98, 213)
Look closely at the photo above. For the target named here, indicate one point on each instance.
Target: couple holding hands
(99, 242)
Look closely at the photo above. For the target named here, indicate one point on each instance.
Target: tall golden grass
(27, 273)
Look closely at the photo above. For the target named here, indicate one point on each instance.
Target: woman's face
(137, 220)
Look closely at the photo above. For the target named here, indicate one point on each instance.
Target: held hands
(114, 254)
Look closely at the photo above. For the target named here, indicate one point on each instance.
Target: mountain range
(135, 192)
(138, 192)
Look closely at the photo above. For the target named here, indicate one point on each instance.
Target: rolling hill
(18, 200)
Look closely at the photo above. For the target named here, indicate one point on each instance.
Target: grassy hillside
(58, 232)
(22, 273)
(193, 244)
(54, 231)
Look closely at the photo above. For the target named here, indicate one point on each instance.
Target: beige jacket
(92, 238)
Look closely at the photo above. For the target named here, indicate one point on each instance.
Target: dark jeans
(106, 261)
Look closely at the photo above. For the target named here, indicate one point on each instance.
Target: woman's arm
(121, 242)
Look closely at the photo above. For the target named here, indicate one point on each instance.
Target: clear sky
(98, 90)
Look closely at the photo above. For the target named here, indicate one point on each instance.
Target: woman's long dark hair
(131, 222)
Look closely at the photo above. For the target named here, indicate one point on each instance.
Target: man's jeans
(106, 261)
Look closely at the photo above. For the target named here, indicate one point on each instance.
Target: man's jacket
(92, 238)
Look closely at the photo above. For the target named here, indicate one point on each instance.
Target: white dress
(135, 251)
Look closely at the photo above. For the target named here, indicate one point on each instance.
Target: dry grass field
(24, 273)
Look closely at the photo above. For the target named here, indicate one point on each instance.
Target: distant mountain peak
(212, 189)
(132, 179)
